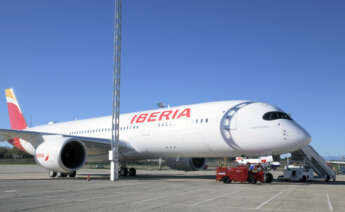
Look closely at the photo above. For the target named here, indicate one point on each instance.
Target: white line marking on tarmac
(214, 198)
(192, 191)
(147, 200)
(267, 201)
(10, 191)
(128, 184)
(157, 198)
(329, 203)
(40, 198)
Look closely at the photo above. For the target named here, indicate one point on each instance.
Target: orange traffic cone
(88, 178)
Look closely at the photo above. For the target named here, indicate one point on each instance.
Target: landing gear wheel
(252, 180)
(268, 178)
(52, 173)
(327, 178)
(60, 174)
(132, 172)
(123, 172)
(226, 180)
(73, 174)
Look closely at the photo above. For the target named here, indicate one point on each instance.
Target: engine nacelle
(186, 164)
(61, 154)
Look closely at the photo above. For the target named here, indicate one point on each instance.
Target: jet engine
(186, 164)
(61, 154)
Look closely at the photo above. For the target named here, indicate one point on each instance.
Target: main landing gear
(53, 174)
(124, 172)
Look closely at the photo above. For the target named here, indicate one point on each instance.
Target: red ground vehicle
(242, 174)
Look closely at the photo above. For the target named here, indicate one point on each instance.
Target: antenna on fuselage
(162, 105)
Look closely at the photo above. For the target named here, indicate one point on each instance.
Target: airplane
(184, 136)
(264, 160)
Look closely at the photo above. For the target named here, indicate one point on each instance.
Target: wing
(96, 147)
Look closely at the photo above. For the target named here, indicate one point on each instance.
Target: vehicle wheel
(132, 172)
(52, 173)
(304, 179)
(124, 172)
(60, 174)
(268, 177)
(251, 180)
(327, 178)
(226, 180)
(73, 174)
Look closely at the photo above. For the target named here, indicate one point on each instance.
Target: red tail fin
(17, 120)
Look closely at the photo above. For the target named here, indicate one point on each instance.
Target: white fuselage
(215, 129)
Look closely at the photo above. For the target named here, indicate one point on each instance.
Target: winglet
(17, 120)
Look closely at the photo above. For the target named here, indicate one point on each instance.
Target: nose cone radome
(299, 137)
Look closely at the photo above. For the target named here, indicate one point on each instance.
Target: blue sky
(57, 55)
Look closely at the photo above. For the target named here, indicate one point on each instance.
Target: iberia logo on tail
(17, 120)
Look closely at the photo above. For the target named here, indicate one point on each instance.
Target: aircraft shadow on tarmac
(146, 177)
(207, 177)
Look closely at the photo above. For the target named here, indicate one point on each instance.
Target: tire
(73, 174)
(226, 180)
(60, 174)
(304, 178)
(52, 173)
(327, 178)
(268, 178)
(132, 172)
(252, 180)
(124, 172)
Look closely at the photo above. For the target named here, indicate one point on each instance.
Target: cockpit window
(269, 116)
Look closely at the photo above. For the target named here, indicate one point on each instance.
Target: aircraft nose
(300, 137)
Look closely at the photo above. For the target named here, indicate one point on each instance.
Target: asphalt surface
(28, 188)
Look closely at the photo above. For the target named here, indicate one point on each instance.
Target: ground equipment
(316, 162)
(243, 174)
(297, 173)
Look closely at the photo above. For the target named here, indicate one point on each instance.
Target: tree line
(13, 153)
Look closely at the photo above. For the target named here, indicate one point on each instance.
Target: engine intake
(73, 155)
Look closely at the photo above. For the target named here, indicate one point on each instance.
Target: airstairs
(316, 162)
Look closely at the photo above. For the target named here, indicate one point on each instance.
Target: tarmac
(28, 188)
